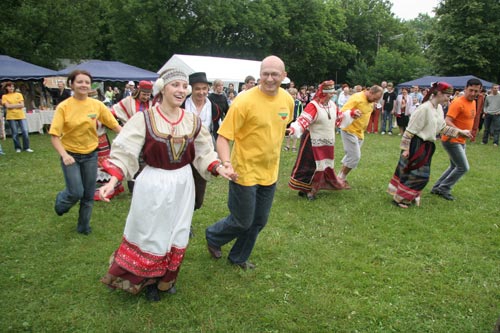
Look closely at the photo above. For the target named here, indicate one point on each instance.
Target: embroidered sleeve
(214, 166)
(450, 131)
(205, 160)
(303, 121)
(345, 118)
(405, 140)
(112, 169)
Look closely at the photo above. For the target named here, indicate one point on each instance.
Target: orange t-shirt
(462, 111)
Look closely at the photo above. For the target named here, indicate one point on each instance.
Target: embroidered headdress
(443, 87)
(167, 76)
(325, 88)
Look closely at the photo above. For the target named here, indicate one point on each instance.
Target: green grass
(347, 262)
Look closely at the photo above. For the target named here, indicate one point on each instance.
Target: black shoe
(152, 293)
(311, 197)
(302, 194)
(246, 265)
(58, 212)
(435, 191)
(447, 196)
(85, 232)
(215, 251)
(399, 204)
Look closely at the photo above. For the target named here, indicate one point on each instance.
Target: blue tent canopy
(458, 82)
(15, 69)
(111, 71)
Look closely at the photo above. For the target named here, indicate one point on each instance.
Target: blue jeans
(386, 120)
(249, 208)
(14, 129)
(80, 178)
(458, 167)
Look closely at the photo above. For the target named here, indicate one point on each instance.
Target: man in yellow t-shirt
(256, 124)
(14, 103)
(354, 134)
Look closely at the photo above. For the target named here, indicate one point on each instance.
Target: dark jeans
(249, 208)
(80, 178)
(491, 126)
(14, 129)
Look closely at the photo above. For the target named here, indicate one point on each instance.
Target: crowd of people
(178, 133)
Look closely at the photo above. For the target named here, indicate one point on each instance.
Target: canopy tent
(111, 71)
(457, 82)
(15, 69)
(226, 69)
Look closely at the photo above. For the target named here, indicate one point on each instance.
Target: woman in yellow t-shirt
(74, 137)
(14, 103)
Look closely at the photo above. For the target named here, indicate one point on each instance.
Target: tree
(466, 39)
(312, 48)
(42, 32)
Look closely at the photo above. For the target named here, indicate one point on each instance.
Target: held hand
(227, 172)
(356, 114)
(105, 191)
(68, 159)
(466, 133)
(405, 153)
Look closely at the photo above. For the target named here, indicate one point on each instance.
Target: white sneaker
(29, 150)
(382, 133)
(18, 150)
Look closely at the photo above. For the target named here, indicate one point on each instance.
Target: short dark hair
(473, 82)
(249, 78)
(75, 73)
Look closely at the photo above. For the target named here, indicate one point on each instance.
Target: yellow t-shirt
(360, 102)
(14, 98)
(256, 122)
(75, 121)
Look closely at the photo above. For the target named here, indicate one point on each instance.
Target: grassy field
(347, 262)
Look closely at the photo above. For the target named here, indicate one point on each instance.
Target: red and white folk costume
(129, 106)
(157, 227)
(314, 167)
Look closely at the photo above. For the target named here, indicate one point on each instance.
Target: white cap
(131, 83)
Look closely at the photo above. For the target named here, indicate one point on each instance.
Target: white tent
(226, 69)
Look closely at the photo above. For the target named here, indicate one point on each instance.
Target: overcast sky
(409, 9)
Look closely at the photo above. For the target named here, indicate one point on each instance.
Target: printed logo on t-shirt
(92, 115)
(283, 115)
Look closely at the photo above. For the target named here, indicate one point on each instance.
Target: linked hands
(356, 114)
(227, 172)
(466, 133)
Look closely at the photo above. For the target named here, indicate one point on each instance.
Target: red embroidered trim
(168, 121)
(131, 258)
(213, 167)
(124, 109)
(113, 170)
